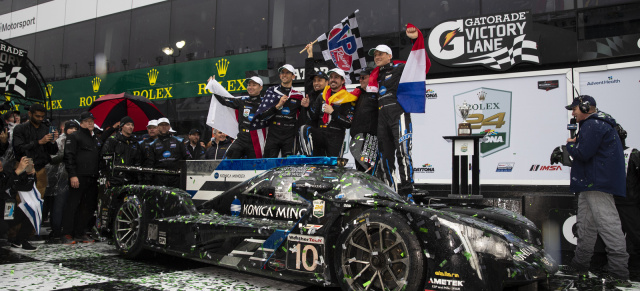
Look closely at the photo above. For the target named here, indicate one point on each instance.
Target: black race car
(329, 225)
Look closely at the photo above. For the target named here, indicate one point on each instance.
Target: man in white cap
(280, 107)
(165, 152)
(330, 116)
(247, 143)
(394, 124)
(152, 129)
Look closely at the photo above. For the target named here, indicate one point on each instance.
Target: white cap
(171, 130)
(152, 122)
(256, 79)
(337, 71)
(381, 48)
(288, 68)
(163, 120)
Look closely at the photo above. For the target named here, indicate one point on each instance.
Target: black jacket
(25, 143)
(81, 154)
(388, 81)
(340, 117)
(196, 153)
(217, 150)
(126, 151)
(309, 70)
(365, 116)
(166, 152)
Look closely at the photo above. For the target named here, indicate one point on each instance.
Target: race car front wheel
(128, 227)
(377, 251)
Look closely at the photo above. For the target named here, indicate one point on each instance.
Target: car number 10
(303, 257)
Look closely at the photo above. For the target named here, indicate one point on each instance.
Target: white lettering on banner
(15, 25)
(268, 211)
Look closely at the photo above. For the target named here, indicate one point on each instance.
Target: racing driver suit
(244, 146)
(282, 122)
(166, 152)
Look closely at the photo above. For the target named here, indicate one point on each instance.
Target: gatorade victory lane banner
(616, 92)
(172, 81)
(524, 120)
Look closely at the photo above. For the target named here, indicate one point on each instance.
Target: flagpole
(305, 48)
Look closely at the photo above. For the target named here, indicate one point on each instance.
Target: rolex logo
(482, 95)
(222, 65)
(49, 90)
(96, 84)
(153, 76)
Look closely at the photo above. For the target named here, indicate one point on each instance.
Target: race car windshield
(358, 185)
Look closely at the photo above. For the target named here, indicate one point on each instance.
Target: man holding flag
(280, 107)
(251, 130)
(332, 112)
(401, 91)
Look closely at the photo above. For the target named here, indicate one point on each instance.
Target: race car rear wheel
(129, 228)
(377, 251)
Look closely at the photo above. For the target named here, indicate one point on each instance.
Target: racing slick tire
(377, 251)
(128, 228)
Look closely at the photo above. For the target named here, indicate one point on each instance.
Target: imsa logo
(535, 168)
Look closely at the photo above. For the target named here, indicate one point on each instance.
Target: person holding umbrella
(124, 151)
(166, 152)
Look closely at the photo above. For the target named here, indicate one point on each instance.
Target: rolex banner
(174, 81)
(522, 124)
(497, 41)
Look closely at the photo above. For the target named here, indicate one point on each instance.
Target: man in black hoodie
(81, 156)
(124, 150)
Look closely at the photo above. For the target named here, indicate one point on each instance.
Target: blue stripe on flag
(411, 96)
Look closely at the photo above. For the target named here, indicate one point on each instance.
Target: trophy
(464, 128)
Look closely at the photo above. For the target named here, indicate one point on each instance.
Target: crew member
(332, 113)
(194, 145)
(283, 117)
(166, 152)
(81, 155)
(152, 134)
(394, 124)
(597, 174)
(314, 83)
(364, 126)
(124, 150)
(247, 144)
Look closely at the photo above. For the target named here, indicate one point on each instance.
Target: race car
(313, 221)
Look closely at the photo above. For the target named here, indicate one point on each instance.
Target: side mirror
(306, 188)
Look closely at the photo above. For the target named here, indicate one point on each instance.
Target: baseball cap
(581, 99)
(164, 120)
(70, 124)
(256, 79)
(365, 72)
(171, 130)
(86, 115)
(382, 48)
(287, 67)
(126, 120)
(152, 122)
(320, 74)
(337, 71)
(194, 131)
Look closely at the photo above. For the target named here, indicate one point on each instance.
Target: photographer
(27, 214)
(597, 174)
(35, 140)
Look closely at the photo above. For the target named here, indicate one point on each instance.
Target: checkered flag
(503, 59)
(15, 82)
(342, 45)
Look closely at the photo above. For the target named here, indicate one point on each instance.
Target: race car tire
(377, 251)
(129, 228)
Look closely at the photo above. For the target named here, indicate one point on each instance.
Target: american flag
(504, 58)
(272, 97)
(343, 46)
(15, 82)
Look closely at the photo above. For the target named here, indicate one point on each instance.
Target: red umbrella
(110, 108)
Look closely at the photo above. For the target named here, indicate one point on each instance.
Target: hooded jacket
(598, 158)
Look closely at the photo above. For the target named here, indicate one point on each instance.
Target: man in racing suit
(152, 129)
(124, 150)
(394, 124)
(314, 83)
(166, 152)
(364, 126)
(283, 117)
(332, 113)
(247, 143)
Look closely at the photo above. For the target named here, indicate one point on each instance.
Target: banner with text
(173, 81)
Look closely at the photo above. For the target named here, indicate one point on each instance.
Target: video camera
(560, 154)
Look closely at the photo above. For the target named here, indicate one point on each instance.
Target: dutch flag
(412, 90)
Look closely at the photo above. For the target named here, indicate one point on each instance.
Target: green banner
(173, 81)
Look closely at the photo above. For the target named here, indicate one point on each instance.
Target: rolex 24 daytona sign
(497, 41)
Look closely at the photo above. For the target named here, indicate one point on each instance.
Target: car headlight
(486, 243)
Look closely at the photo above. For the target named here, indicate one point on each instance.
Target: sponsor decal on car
(318, 208)
(286, 212)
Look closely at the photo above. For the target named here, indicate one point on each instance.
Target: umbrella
(110, 108)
